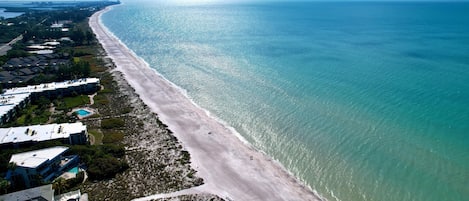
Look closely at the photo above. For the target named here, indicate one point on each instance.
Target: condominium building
(15, 99)
(68, 133)
(35, 167)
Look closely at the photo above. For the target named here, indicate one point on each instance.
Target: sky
(220, 0)
(226, 1)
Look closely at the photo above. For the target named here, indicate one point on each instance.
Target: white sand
(230, 168)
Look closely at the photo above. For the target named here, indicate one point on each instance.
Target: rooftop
(40, 132)
(38, 193)
(33, 159)
(51, 86)
(8, 102)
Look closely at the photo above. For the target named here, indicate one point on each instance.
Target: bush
(105, 168)
(100, 99)
(112, 123)
(114, 150)
(88, 153)
(186, 158)
(113, 137)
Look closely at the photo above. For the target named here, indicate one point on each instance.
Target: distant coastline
(219, 156)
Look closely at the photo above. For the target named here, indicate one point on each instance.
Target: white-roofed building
(84, 85)
(45, 193)
(11, 104)
(69, 133)
(16, 98)
(43, 165)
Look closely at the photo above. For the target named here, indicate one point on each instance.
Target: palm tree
(60, 185)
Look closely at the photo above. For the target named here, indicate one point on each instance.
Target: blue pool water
(74, 170)
(82, 112)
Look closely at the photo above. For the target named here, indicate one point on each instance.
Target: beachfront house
(35, 167)
(67, 133)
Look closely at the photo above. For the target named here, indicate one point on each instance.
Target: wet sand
(230, 168)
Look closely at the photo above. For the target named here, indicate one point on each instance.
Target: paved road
(5, 47)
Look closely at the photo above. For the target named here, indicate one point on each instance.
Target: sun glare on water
(193, 2)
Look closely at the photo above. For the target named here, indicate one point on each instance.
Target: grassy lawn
(87, 49)
(33, 115)
(71, 102)
(95, 64)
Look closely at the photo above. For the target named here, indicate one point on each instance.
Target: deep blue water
(361, 101)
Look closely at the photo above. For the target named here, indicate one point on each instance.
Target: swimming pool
(74, 170)
(82, 112)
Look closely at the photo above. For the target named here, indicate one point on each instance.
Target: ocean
(359, 100)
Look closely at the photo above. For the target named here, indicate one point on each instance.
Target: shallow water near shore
(7, 15)
(361, 101)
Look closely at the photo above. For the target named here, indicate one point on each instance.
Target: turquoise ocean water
(360, 101)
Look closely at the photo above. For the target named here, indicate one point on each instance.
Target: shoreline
(231, 168)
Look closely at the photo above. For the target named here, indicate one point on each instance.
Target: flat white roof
(39, 47)
(33, 159)
(39, 133)
(8, 102)
(56, 25)
(53, 43)
(51, 86)
(41, 52)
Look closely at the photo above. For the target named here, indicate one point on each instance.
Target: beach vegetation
(103, 161)
(185, 157)
(61, 185)
(113, 137)
(97, 136)
(127, 110)
(105, 168)
(100, 100)
(4, 185)
(112, 123)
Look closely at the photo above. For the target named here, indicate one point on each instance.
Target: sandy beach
(231, 169)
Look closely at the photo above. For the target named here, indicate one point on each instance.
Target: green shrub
(101, 99)
(113, 137)
(105, 168)
(186, 157)
(112, 123)
(113, 150)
